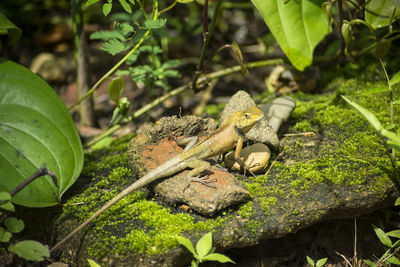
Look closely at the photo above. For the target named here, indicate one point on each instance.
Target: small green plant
(389, 255)
(26, 249)
(156, 72)
(128, 30)
(204, 250)
(393, 140)
(318, 263)
(92, 263)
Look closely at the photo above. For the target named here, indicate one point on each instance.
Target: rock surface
(262, 131)
(278, 111)
(223, 191)
(342, 170)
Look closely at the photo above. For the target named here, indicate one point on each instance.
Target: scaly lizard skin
(228, 135)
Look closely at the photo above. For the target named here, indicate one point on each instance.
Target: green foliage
(27, 249)
(154, 24)
(394, 139)
(204, 250)
(114, 47)
(156, 72)
(30, 250)
(127, 31)
(5, 236)
(116, 88)
(117, 40)
(388, 256)
(8, 28)
(14, 225)
(377, 34)
(108, 6)
(121, 111)
(318, 263)
(37, 130)
(298, 26)
(381, 13)
(397, 203)
(92, 263)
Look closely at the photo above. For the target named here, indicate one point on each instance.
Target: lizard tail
(138, 184)
(172, 166)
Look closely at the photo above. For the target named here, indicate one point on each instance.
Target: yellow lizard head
(245, 120)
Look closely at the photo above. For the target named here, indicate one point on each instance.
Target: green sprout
(204, 250)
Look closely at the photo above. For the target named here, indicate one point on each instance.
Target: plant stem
(167, 8)
(391, 92)
(111, 71)
(142, 9)
(176, 91)
(116, 66)
(205, 45)
(342, 41)
(86, 109)
(40, 172)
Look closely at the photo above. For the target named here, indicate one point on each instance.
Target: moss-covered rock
(341, 169)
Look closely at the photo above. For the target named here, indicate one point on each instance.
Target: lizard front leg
(239, 146)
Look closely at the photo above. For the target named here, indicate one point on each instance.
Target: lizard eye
(247, 116)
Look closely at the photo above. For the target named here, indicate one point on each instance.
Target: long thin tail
(168, 168)
(118, 197)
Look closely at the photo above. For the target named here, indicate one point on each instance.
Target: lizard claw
(202, 180)
(250, 166)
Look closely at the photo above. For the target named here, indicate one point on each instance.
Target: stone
(278, 111)
(255, 156)
(262, 131)
(226, 190)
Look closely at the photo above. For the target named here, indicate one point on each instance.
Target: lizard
(227, 136)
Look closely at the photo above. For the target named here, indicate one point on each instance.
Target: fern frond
(154, 24)
(124, 28)
(106, 35)
(174, 63)
(114, 46)
(125, 17)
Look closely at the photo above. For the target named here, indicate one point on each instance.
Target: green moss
(147, 226)
(267, 202)
(303, 126)
(356, 153)
(108, 161)
(151, 231)
(349, 155)
(246, 210)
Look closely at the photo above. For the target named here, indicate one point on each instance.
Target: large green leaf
(35, 129)
(378, 13)
(298, 26)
